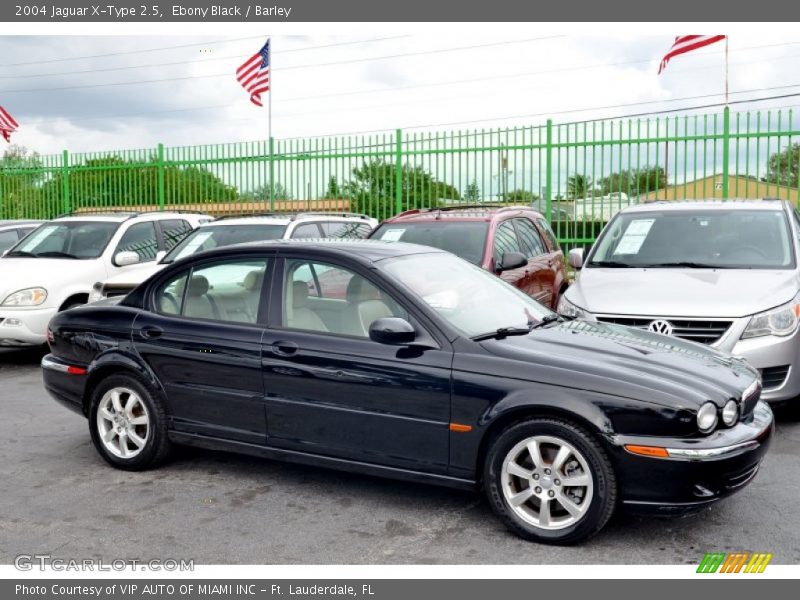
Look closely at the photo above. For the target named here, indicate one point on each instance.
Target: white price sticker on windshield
(392, 235)
(634, 236)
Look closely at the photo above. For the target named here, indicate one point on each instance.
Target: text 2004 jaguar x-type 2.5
(405, 361)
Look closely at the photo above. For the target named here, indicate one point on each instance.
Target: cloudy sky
(96, 93)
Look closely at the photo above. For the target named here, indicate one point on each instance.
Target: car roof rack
(130, 214)
(452, 207)
(292, 216)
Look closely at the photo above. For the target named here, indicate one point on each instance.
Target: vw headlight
(776, 321)
(568, 309)
(730, 413)
(707, 417)
(27, 297)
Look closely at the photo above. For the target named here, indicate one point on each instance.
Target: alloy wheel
(123, 422)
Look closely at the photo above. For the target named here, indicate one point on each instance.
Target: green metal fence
(579, 174)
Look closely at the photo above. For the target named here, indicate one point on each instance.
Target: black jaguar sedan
(405, 361)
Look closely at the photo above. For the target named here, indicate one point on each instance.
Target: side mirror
(123, 259)
(512, 260)
(576, 258)
(392, 331)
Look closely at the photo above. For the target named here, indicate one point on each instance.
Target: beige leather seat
(298, 313)
(198, 303)
(364, 306)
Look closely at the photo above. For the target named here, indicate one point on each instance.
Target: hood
(52, 274)
(621, 361)
(134, 275)
(682, 292)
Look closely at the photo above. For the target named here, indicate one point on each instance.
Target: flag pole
(726, 71)
(269, 131)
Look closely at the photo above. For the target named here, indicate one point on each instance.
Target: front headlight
(568, 309)
(730, 413)
(777, 321)
(707, 417)
(27, 297)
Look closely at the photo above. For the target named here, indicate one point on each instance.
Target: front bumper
(771, 353)
(698, 472)
(24, 326)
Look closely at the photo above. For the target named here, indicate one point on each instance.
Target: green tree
(472, 193)
(579, 186)
(783, 167)
(373, 186)
(21, 176)
(522, 196)
(634, 181)
(113, 181)
(261, 194)
(334, 191)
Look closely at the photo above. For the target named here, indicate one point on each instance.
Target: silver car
(725, 274)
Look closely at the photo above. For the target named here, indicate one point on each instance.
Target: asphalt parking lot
(60, 498)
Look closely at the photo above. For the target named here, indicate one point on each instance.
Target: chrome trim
(52, 365)
(709, 453)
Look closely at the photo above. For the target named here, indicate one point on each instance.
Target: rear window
(466, 239)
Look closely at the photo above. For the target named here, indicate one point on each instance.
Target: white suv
(55, 266)
(241, 229)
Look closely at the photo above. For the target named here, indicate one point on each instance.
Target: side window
(505, 240)
(225, 291)
(796, 223)
(174, 231)
(345, 229)
(529, 239)
(549, 234)
(306, 231)
(140, 238)
(327, 298)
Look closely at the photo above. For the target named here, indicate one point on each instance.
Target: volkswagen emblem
(660, 326)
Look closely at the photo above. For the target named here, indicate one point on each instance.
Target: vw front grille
(697, 330)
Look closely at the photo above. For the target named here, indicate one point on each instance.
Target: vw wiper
(22, 253)
(609, 263)
(56, 254)
(687, 264)
(501, 333)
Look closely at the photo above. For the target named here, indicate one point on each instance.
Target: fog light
(730, 414)
(13, 322)
(707, 417)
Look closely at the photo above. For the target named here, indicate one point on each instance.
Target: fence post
(160, 168)
(726, 143)
(65, 181)
(271, 176)
(548, 190)
(398, 173)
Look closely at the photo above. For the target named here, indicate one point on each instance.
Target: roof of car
(286, 218)
(475, 212)
(669, 205)
(19, 223)
(370, 250)
(120, 216)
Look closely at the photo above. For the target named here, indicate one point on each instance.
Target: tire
(134, 438)
(566, 452)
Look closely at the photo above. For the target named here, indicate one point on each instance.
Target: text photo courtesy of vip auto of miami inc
(398, 298)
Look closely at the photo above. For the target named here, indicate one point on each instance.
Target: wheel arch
(76, 298)
(116, 363)
(584, 414)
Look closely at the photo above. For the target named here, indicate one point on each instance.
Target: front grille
(696, 330)
(1, 319)
(773, 377)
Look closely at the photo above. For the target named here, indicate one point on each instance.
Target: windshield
(466, 239)
(215, 236)
(725, 239)
(67, 239)
(472, 300)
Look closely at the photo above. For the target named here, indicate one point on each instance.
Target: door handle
(285, 348)
(150, 332)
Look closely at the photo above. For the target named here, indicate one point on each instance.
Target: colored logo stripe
(734, 563)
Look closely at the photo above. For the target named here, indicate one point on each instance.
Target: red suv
(514, 242)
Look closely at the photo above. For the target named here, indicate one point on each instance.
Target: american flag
(7, 124)
(687, 43)
(253, 75)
